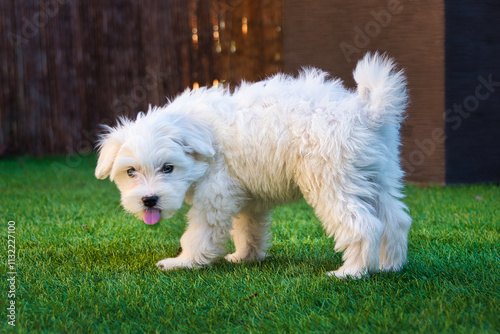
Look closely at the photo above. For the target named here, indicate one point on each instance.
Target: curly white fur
(235, 156)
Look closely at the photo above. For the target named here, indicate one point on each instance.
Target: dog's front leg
(216, 201)
(202, 243)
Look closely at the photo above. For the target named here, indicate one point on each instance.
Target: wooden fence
(66, 66)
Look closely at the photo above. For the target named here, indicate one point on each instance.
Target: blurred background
(67, 66)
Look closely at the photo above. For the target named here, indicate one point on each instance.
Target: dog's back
(278, 122)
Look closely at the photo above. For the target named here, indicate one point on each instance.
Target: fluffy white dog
(235, 156)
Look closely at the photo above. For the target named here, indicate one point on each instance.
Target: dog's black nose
(150, 201)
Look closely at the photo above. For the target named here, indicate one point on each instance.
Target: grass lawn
(84, 265)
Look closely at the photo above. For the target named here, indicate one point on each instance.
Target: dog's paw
(238, 258)
(175, 263)
(353, 273)
(234, 258)
(386, 269)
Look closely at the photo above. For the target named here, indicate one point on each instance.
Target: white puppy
(235, 156)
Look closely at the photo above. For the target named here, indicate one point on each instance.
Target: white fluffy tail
(381, 88)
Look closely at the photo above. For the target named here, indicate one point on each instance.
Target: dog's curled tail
(381, 88)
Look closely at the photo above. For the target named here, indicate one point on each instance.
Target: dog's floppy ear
(197, 139)
(109, 145)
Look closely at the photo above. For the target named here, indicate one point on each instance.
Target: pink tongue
(151, 217)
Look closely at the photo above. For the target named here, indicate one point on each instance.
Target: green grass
(86, 266)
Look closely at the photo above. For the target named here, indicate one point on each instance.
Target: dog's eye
(167, 169)
(131, 172)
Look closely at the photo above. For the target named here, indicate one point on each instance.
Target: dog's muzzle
(150, 201)
(151, 215)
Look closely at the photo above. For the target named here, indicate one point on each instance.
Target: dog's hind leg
(357, 232)
(251, 234)
(394, 243)
(357, 235)
(347, 212)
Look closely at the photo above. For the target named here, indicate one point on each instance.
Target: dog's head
(154, 160)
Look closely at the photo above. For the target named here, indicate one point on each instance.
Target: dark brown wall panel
(334, 35)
